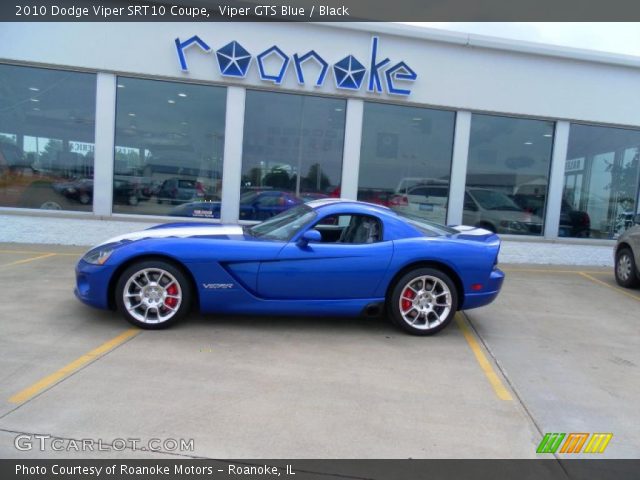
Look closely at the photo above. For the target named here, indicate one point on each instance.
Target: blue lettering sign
(349, 74)
(277, 79)
(375, 85)
(233, 60)
(298, 61)
(400, 71)
(181, 47)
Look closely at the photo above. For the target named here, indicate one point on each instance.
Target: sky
(620, 37)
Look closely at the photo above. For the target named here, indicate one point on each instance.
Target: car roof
(325, 202)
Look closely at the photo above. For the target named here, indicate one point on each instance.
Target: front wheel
(153, 294)
(423, 301)
(626, 270)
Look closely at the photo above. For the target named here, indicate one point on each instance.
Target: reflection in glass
(405, 159)
(47, 124)
(508, 174)
(601, 182)
(169, 146)
(292, 151)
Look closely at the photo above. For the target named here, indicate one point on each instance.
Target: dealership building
(240, 121)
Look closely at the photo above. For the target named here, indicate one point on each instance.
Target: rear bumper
(488, 294)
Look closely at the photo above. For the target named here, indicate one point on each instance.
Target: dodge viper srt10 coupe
(325, 257)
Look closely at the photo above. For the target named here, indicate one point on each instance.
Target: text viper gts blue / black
(326, 257)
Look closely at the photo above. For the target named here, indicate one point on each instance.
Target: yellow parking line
(31, 252)
(617, 289)
(27, 260)
(538, 270)
(485, 365)
(72, 367)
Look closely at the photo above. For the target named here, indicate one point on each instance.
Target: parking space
(556, 352)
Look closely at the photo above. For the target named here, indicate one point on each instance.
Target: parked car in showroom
(254, 205)
(325, 257)
(179, 190)
(573, 223)
(483, 207)
(260, 205)
(627, 256)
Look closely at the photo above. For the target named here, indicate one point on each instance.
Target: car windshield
(492, 200)
(285, 225)
(430, 229)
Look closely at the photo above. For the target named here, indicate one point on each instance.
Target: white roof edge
(489, 42)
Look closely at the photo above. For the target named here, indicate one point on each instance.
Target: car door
(634, 237)
(326, 271)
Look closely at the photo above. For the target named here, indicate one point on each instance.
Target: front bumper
(92, 284)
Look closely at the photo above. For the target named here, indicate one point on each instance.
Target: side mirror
(311, 235)
(637, 219)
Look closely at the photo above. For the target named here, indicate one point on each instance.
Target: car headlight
(98, 256)
(513, 226)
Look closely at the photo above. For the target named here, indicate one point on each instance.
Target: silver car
(627, 256)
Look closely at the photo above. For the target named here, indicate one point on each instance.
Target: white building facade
(240, 121)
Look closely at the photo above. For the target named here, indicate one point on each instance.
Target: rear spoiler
(474, 233)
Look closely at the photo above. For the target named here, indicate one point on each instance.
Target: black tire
(626, 270)
(133, 200)
(394, 306)
(184, 290)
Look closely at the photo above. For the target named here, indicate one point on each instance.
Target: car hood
(180, 230)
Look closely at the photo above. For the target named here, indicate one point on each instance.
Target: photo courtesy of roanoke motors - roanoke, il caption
(122, 469)
(150, 11)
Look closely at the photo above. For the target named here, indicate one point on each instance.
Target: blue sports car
(326, 257)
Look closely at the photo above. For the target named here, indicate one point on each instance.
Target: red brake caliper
(407, 294)
(170, 301)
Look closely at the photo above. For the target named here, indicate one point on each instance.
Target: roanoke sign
(378, 75)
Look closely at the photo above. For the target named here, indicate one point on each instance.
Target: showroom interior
(523, 139)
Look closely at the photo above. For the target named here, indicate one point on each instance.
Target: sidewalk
(87, 232)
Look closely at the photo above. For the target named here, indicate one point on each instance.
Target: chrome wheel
(152, 296)
(50, 205)
(425, 302)
(624, 268)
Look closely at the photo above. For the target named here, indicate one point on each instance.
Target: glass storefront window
(601, 182)
(168, 148)
(47, 127)
(508, 174)
(292, 151)
(405, 159)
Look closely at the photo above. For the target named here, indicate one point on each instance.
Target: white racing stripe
(179, 232)
(467, 230)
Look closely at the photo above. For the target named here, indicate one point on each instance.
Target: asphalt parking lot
(557, 352)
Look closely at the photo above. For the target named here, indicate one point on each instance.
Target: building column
(556, 179)
(232, 159)
(351, 150)
(459, 167)
(104, 148)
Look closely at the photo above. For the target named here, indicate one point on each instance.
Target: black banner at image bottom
(542, 469)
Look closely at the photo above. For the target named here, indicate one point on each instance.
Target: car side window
(354, 229)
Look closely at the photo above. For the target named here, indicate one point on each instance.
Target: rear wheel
(626, 269)
(423, 301)
(153, 294)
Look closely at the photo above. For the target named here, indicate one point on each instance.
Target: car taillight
(399, 200)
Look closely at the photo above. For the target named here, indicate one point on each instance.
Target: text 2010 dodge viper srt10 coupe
(326, 257)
